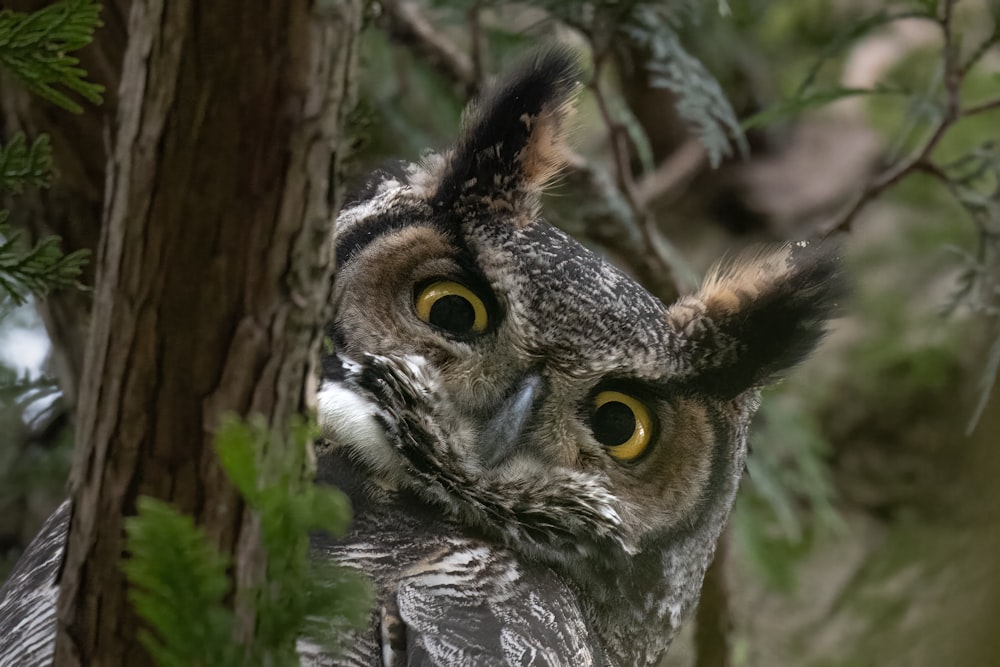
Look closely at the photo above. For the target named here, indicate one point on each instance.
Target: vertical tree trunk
(713, 622)
(212, 278)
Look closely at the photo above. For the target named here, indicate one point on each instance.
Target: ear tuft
(757, 314)
(513, 136)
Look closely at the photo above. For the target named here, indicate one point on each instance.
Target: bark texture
(213, 276)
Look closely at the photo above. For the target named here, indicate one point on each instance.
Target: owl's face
(532, 391)
(541, 355)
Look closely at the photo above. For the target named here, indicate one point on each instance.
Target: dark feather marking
(776, 329)
(361, 235)
(485, 160)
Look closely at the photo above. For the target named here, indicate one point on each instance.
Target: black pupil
(453, 313)
(613, 423)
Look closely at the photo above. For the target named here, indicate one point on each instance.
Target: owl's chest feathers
(626, 607)
(629, 616)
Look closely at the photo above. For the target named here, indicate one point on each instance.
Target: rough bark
(212, 278)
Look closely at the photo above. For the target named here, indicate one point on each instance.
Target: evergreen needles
(181, 583)
(27, 269)
(35, 47)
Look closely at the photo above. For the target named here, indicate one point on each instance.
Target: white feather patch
(349, 420)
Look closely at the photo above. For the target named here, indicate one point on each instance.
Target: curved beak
(502, 435)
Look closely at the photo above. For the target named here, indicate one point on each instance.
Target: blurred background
(868, 528)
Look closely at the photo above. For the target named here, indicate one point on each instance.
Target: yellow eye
(453, 307)
(622, 424)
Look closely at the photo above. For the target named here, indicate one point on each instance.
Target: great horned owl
(540, 454)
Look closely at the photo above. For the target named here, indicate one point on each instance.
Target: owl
(539, 453)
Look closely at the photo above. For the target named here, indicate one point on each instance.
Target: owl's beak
(502, 435)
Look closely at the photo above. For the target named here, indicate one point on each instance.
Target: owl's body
(464, 599)
(540, 454)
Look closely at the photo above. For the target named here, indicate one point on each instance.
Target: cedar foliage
(180, 581)
(35, 47)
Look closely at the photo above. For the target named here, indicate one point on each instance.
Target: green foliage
(910, 348)
(381, 125)
(26, 269)
(654, 28)
(700, 99)
(180, 583)
(33, 471)
(35, 47)
(850, 34)
(23, 164)
(179, 587)
(792, 108)
(939, 131)
(787, 503)
(302, 597)
(812, 91)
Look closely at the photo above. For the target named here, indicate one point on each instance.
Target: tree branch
(713, 623)
(672, 174)
(919, 159)
(407, 25)
(668, 267)
(982, 107)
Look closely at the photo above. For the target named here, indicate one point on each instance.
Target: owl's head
(535, 393)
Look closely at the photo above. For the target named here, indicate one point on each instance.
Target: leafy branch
(700, 98)
(23, 164)
(668, 273)
(27, 269)
(35, 47)
(920, 159)
(38, 269)
(973, 180)
(181, 584)
(807, 100)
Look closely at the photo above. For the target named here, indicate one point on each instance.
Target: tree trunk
(212, 280)
(713, 623)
